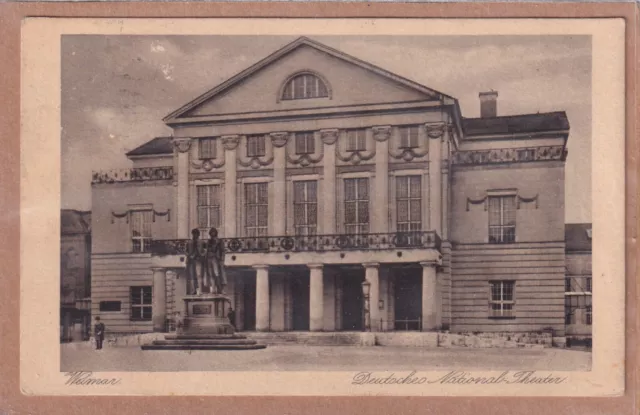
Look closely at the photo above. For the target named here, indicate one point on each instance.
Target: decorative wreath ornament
(287, 243)
(235, 245)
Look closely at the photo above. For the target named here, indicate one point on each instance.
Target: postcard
(323, 207)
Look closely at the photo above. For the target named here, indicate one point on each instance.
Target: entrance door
(408, 299)
(352, 300)
(249, 302)
(300, 302)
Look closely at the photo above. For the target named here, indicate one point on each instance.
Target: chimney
(488, 104)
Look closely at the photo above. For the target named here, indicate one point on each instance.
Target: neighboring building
(75, 274)
(323, 172)
(578, 284)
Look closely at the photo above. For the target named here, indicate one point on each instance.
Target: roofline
(518, 115)
(285, 50)
(150, 155)
(128, 153)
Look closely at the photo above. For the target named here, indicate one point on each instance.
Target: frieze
(305, 160)
(279, 139)
(355, 157)
(381, 133)
(256, 162)
(509, 155)
(408, 154)
(207, 164)
(136, 174)
(127, 214)
(182, 144)
(230, 142)
(329, 136)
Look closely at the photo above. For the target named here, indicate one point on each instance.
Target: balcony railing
(136, 174)
(311, 243)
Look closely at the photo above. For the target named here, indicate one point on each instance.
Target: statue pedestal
(207, 314)
(205, 327)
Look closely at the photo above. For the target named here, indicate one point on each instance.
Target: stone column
(445, 185)
(435, 132)
(159, 299)
(279, 141)
(262, 297)
(329, 138)
(230, 144)
(182, 145)
(380, 197)
(429, 296)
(371, 275)
(316, 298)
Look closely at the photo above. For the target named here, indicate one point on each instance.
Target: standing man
(214, 263)
(194, 264)
(98, 332)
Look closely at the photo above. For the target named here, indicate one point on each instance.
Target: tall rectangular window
(141, 230)
(501, 303)
(141, 298)
(577, 309)
(255, 146)
(256, 209)
(409, 136)
(409, 203)
(305, 207)
(208, 205)
(502, 219)
(356, 205)
(305, 143)
(357, 140)
(207, 148)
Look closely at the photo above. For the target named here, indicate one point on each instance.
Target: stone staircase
(315, 338)
(204, 342)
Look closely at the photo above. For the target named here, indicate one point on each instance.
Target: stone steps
(181, 346)
(204, 342)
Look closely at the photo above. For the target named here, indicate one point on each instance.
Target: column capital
(230, 142)
(158, 269)
(260, 266)
(182, 144)
(370, 264)
(435, 129)
(279, 139)
(315, 266)
(329, 136)
(381, 133)
(432, 263)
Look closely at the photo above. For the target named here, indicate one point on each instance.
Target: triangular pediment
(351, 81)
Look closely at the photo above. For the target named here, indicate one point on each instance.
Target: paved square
(80, 357)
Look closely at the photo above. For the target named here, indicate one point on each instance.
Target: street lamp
(366, 288)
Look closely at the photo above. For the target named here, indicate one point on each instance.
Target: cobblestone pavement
(81, 357)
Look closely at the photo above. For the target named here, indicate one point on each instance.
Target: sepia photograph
(324, 207)
(322, 202)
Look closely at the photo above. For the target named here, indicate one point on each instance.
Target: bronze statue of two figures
(205, 264)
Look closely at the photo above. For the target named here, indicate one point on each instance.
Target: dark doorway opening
(249, 302)
(300, 301)
(352, 299)
(408, 299)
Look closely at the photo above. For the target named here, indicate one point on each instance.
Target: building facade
(578, 284)
(349, 198)
(75, 275)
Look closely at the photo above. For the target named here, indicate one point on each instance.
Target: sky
(116, 89)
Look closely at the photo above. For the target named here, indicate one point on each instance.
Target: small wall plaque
(199, 309)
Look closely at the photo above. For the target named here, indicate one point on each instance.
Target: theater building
(349, 199)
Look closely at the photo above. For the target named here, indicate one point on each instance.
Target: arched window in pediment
(305, 85)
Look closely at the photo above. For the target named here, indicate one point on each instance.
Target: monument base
(205, 327)
(207, 314)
